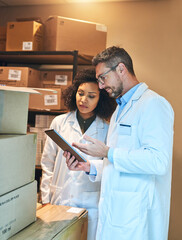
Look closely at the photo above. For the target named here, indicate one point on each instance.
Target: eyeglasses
(102, 77)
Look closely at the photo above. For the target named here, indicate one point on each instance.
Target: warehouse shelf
(54, 57)
(45, 57)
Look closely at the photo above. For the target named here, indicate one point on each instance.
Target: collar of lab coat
(138, 93)
(96, 124)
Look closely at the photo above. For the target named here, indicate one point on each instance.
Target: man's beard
(117, 92)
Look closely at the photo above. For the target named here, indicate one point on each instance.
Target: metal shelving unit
(45, 57)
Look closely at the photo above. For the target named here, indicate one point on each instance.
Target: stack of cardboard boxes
(18, 188)
(56, 34)
(52, 82)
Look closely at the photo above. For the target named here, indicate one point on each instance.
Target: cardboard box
(2, 32)
(24, 36)
(57, 222)
(2, 45)
(20, 77)
(43, 121)
(14, 109)
(67, 34)
(56, 78)
(41, 138)
(18, 210)
(48, 99)
(2, 38)
(17, 165)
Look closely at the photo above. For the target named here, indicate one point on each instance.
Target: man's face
(109, 80)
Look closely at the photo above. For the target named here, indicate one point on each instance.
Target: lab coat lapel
(74, 122)
(141, 89)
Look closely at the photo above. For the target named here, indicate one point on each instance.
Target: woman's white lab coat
(61, 186)
(135, 191)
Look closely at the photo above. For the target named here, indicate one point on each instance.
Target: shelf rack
(45, 57)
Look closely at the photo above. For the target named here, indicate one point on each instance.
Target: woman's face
(87, 98)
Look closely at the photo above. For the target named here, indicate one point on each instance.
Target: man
(136, 177)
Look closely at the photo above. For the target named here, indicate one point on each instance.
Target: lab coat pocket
(124, 129)
(125, 208)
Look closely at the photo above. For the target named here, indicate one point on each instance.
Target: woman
(88, 114)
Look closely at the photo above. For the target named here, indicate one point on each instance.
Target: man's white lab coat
(136, 187)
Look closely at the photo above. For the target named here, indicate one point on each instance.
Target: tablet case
(62, 143)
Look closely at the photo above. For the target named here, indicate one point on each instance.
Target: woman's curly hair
(106, 104)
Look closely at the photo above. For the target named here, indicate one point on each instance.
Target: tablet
(62, 143)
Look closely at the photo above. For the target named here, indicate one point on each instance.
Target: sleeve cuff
(93, 170)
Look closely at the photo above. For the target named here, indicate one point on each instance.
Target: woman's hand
(74, 164)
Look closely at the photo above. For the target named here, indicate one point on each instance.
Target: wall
(151, 32)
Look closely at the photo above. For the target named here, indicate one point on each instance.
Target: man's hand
(95, 149)
(74, 164)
